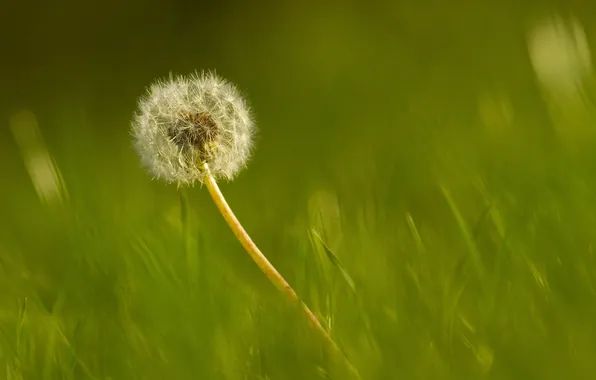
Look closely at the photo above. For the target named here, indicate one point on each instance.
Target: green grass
(115, 280)
(441, 226)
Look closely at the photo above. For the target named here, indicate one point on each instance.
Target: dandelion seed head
(184, 122)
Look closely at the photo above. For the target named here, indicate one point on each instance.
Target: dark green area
(429, 196)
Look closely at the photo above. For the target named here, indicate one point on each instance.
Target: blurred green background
(424, 176)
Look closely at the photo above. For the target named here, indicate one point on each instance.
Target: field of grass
(429, 198)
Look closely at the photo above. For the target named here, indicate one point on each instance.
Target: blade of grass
(465, 231)
(335, 260)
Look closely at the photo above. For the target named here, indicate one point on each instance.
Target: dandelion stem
(266, 267)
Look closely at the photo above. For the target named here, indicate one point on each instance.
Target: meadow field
(423, 175)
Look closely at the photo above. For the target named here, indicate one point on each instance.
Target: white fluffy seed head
(185, 122)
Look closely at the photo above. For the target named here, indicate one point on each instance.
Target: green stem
(266, 267)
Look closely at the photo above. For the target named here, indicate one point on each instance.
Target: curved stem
(266, 267)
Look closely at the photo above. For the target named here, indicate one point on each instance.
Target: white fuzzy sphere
(184, 122)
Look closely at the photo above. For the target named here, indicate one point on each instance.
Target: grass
(433, 239)
(490, 282)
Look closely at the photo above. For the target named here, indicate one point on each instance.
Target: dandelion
(199, 129)
(185, 122)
